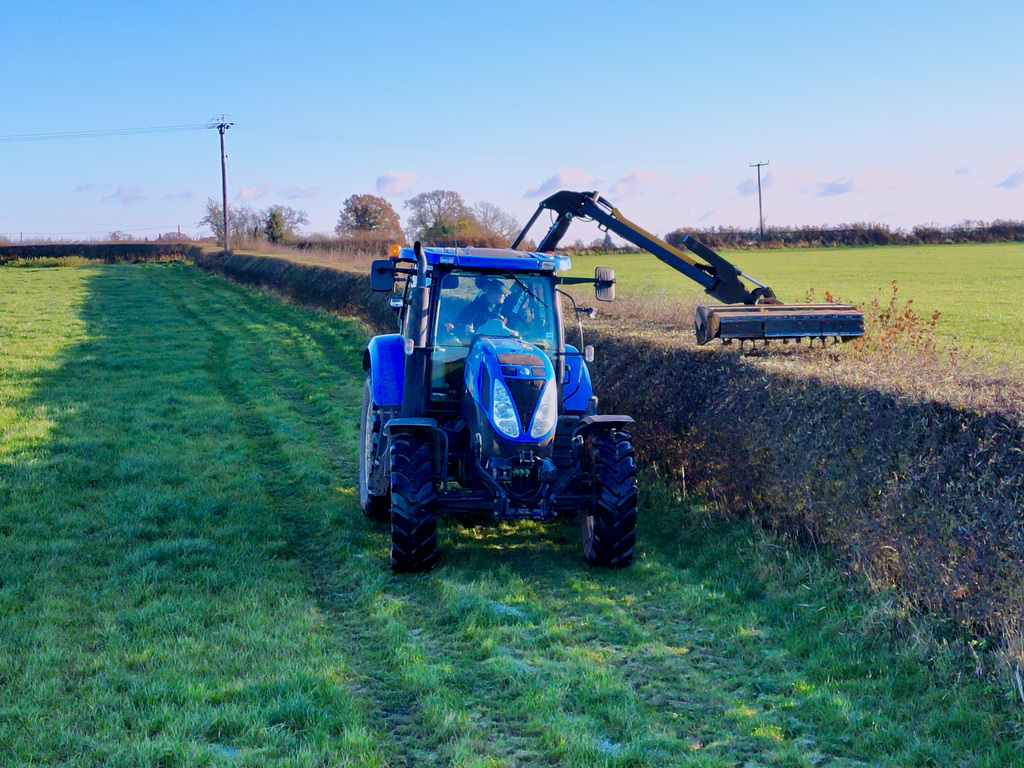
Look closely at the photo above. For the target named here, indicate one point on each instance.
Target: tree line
(440, 217)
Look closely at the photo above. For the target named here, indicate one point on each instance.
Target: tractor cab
(471, 303)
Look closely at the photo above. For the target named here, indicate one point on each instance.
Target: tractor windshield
(496, 304)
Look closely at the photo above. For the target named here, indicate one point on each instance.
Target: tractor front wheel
(413, 497)
(371, 423)
(609, 526)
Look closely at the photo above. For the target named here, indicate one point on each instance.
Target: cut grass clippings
(185, 579)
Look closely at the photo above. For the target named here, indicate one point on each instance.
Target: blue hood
(524, 371)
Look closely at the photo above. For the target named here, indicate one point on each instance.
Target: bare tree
(497, 227)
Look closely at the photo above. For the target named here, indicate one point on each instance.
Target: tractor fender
(427, 430)
(604, 423)
(384, 358)
(577, 388)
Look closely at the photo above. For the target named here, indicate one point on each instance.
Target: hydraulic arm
(762, 317)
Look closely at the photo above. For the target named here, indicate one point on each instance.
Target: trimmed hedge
(921, 490)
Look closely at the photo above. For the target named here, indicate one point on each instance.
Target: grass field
(977, 288)
(185, 579)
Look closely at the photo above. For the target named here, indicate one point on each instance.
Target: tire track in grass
(415, 660)
(308, 540)
(417, 654)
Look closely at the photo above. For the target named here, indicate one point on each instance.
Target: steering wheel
(493, 327)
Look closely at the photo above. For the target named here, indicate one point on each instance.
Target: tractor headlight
(547, 411)
(503, 411)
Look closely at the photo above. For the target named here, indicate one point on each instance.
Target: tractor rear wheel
(371, 423)
(413, 497)
(609, 526)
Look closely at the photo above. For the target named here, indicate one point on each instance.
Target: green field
(977, 288)
(186, 580)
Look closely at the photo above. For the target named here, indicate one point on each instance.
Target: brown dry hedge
(107, 252)
(910, 472)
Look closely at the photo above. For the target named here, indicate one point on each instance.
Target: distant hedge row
(108, 252)
(341, 290)
(909, 470)
(854, 234)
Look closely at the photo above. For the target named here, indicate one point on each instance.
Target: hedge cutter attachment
(760, 316)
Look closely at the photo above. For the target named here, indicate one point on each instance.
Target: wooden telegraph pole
(760, 210)
(222, 125)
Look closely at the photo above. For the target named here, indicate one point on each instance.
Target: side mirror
(604, 284)
(382, 275)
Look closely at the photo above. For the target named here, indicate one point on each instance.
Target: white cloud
(1012, 181)
(565, 178)
(838, 186)
(746, 188)
(248, 194)
(636, 182)
(300, 192)
(397, 182)
(871, 178)
(128, 194)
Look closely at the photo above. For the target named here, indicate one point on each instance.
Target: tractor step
(779, 321)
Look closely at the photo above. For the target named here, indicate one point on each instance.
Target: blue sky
(897, 112)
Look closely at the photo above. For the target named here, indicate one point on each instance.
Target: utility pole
(221, 124)
(760, 210)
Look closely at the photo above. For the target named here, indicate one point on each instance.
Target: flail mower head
(778, 322)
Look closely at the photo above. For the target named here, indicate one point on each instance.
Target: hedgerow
(106, 252)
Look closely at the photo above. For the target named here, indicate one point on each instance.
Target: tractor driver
(481, 309)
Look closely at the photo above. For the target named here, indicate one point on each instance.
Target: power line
(285, 133)
(97, 134)
(107, 231)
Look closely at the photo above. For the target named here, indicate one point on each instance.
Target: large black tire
(609, 526)
(371, 422)
(413, 498)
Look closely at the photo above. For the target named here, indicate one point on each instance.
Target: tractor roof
(492, 258)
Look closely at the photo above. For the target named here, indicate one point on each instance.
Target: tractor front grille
(525, 394)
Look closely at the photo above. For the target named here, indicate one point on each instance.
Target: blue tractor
(479, 405)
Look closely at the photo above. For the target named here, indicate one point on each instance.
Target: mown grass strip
(187, 581)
